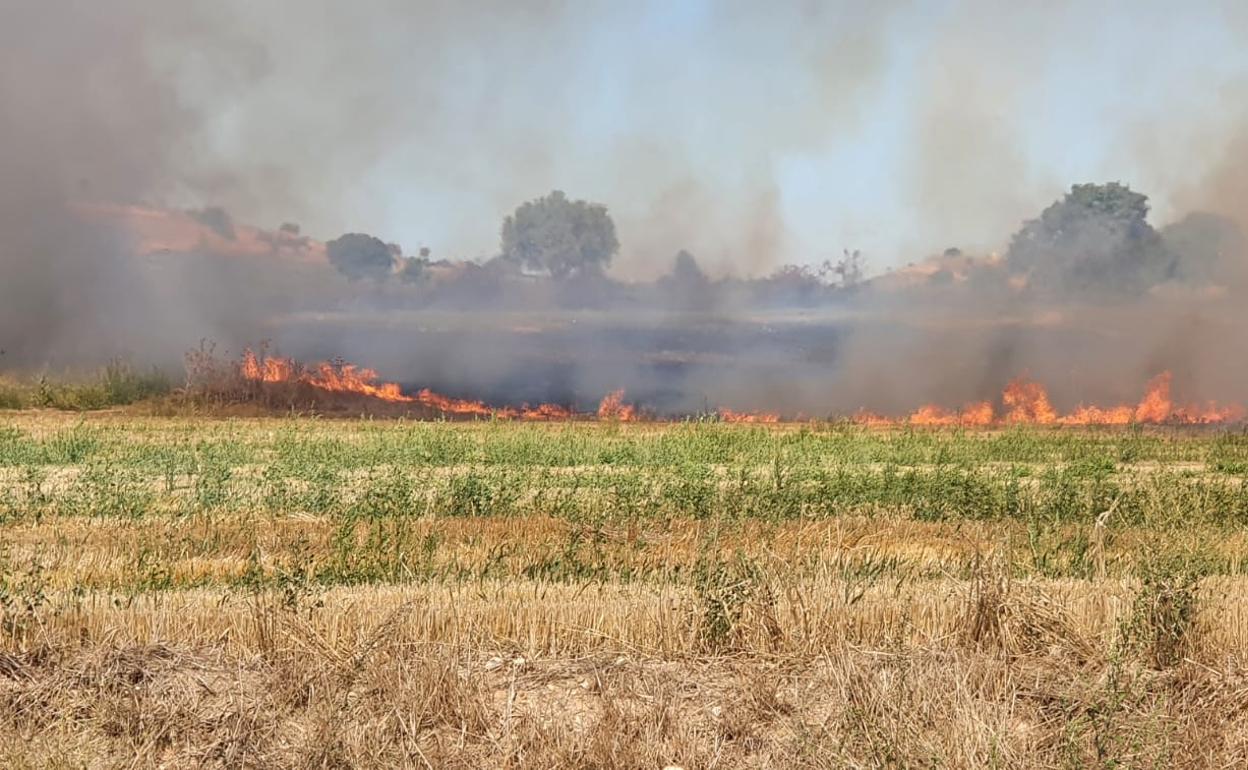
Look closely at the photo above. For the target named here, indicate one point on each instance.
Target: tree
(791, 284)
(559, 236)
(412, 270)
(686, 285)
(216, 219)
(1096, 238)
(846, 271)
(357, 256)
(686, 272)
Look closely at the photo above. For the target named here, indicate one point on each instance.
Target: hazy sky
(750, 133)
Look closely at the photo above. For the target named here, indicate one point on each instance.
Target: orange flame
(546, 412)
(728, 415)
(450, 405)
(270, 369)
(1095, 415)
(1028, 402)
(614, 408)
(1156, 405)
(1024, 401)
(979, 413)
(336, 378)
(348, 378)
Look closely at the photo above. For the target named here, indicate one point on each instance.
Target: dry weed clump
(1018, 619)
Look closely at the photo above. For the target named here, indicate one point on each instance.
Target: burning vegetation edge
(260, 377)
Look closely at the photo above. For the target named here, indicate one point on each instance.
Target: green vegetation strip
(1053, 494)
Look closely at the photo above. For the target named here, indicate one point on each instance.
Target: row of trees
(552, 235)
(1096, 238)
(359, 256)
(564, 239)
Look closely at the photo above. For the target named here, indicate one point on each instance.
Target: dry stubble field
(297, 592)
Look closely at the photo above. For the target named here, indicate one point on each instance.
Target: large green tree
(1096, 238)
(559, 236)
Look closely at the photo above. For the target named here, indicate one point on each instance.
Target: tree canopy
(686, 286)
(357, 256)
(559, 236)
(216, 219)
(1095, 238)
(685, 270)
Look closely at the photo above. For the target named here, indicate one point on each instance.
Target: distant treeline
(554, 252)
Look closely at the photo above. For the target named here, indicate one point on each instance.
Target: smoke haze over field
(752, 136)
(86, 115)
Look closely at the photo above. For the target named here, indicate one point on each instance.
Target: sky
(751, 134)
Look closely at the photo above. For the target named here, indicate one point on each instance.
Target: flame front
(1024, 402)
(728, 415)
(268, 369)
(1156, 405)
(979, 413)
(1027, 402)
(350, 379)
(614, 408)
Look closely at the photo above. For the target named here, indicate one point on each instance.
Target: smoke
(85, 117)
(93, 124)
(216, 219)
(1223, 188)
(748, 137)
(430, 121)
(970, 176)
(65, 137)
(976, 179)
(241, 112)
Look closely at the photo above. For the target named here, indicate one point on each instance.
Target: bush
(123, 385)
(12, 397)
(1162, 625)
(117, 384)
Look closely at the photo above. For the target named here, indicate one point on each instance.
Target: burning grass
(294, 592)
(261, 383)
(265, 378)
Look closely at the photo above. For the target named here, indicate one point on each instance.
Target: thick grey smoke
(87, 117)
(92, 125)
(81, 118)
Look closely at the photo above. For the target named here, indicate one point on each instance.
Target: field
(302, 592)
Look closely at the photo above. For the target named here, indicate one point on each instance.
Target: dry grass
(968, 674)
(525, 617)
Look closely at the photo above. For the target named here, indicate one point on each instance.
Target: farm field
(303, 592)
